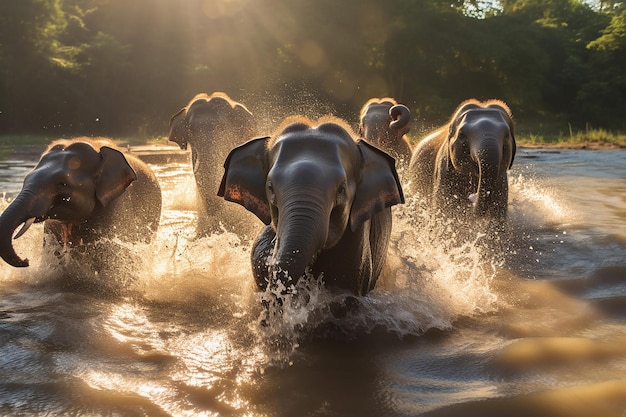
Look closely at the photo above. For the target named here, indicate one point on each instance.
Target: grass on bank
(579, 139)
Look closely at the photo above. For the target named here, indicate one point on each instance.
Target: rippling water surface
(534, 325)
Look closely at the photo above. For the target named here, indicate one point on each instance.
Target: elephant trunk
(488, 158)
(13, 216)
(400, 118)
(301, 232)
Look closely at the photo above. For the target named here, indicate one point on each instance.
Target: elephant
(385, 123)
(325, 198)
(462, 166)
(83, 190)
(212, 125)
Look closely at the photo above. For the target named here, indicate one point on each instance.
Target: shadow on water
(531, 324)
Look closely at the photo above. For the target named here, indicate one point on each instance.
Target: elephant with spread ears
(325, 198)
(384, 123)
(212, 125)
(84, 190)
(462, 166)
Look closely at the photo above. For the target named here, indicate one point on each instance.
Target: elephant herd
(322, 189)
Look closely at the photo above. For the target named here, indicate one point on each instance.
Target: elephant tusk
(25, 227)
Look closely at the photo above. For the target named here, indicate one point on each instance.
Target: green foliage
(120, 68)
(576, 138)
(601, 136)
(613, 37)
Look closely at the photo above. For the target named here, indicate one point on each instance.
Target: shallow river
(536, 327)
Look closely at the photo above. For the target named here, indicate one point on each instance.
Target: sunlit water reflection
(455, 327)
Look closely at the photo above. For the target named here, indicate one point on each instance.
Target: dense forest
(122, 68)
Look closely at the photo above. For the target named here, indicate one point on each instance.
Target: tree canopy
(114, 67)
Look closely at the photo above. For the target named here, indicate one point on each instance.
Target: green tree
(114, 67)
(602, 98)
(32, 59)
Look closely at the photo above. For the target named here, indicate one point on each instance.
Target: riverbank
(29, 146)
(589, 138)
(591, 145)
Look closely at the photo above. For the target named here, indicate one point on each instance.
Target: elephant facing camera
(325, 198)
(212, 125)
(461, 168)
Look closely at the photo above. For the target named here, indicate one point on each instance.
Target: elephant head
(207, 116)
(71, 181)
(384, 122)
(481, 144)
(313, 183)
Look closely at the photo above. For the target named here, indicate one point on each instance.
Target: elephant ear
(512, 144)
(179, 131)
(509, 121)
(244, 178)
(115, 175)
(513, 147)
(379, 187)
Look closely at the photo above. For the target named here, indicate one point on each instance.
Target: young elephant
(213, 125)
(84, 190)
(463, 165)
(324, 198)
(385, 123)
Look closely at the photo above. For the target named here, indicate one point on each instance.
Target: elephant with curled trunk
(384, 123)
(325, 198)
(213, 125)
(84, 190)
(462, 166)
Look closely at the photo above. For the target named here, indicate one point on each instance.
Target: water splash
(450, 269)
(429, 282)
(536, 203)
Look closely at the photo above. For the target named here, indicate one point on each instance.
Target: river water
(535, 325)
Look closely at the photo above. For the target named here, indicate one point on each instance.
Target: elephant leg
(348, 265)
(502, 199)
(203, 223)
(262, 249)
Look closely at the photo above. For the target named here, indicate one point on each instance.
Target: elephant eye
(270, 192)
(64, 191)
(341, 193)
